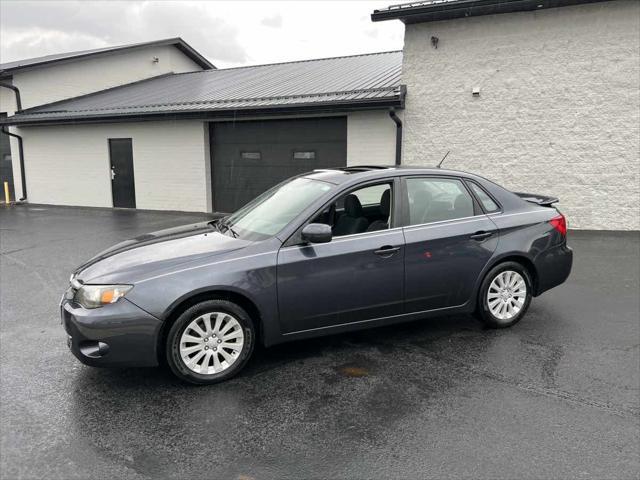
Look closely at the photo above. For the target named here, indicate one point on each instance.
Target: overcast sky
(229, 33)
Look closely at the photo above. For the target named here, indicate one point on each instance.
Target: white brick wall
(371, 138)
(65, 80)
(558, 112)
(69, 165)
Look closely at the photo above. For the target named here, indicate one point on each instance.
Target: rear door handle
(481, 235)
(387, 251)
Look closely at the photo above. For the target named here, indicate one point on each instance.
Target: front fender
(250, 273)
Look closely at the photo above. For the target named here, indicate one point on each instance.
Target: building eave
(437, 10)
(205, 115)
(178, 42)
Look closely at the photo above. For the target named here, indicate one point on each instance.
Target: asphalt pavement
(556, 396)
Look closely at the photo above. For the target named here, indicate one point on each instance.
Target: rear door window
(489, 205)
(437, 199)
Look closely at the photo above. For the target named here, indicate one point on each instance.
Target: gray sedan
(321, 253)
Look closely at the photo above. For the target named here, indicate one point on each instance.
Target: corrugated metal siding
(372, 76)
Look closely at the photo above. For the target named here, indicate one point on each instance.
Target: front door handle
(481, 235)
(387, 251)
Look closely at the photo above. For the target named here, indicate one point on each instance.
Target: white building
(56, 77)
(536, 98)
(155, 126)
(539, 95)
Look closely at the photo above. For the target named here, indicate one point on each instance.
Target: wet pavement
(557, 396)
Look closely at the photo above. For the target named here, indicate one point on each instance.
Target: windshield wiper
(223, 227)
(233, 232)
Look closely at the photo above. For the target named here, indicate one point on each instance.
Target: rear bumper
(553, 267)
(117, 335)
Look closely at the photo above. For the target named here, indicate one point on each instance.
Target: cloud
(273, 22)
(33, 29)
(229, 33)
(37, 42)
(371, 32)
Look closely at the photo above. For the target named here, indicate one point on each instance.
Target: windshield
(273, 210)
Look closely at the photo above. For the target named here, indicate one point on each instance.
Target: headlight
(95, 296)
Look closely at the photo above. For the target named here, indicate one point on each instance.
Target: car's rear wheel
(505, 295)
(210, 342)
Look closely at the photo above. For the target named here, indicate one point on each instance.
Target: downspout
(17, 92)
(23, 179)
(398, 122)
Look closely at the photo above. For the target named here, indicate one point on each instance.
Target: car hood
(133, 259)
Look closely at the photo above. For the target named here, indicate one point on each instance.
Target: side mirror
(317, 233)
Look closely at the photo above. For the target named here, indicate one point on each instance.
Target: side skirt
(373, 323)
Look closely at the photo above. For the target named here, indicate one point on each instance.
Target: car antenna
(445, 156)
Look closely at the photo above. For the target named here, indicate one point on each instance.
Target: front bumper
(117, 335)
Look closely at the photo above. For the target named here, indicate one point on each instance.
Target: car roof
(372, 172)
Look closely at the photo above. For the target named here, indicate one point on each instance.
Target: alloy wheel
(211, 343)
(506, 295)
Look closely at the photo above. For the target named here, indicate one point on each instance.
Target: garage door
(250, 157)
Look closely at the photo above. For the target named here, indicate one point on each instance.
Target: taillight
(560, 224)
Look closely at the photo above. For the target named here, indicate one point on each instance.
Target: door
(448, 243)
(250, 157)
(122, 182)
(354, 278)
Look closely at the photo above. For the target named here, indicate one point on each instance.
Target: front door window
(364, 209)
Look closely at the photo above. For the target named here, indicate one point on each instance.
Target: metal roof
(434, 10)
(12, 67)
(359, 81)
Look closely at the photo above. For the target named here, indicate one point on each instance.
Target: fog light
(94, 349)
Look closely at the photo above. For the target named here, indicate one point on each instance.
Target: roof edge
(386, 52)
(435, 10)
(34, 110)
(178, 42)
(234, 113)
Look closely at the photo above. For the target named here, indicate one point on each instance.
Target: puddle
(353, 371)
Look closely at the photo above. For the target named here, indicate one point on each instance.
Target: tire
(501, 306)
(216, 332)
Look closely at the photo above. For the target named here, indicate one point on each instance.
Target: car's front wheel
(505, 295)
(210, 342)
